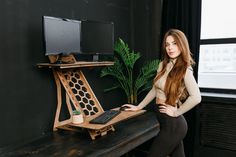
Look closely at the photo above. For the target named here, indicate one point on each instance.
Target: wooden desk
(128, 135)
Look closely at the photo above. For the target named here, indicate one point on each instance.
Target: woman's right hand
(131, 107)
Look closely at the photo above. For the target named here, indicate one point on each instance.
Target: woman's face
(171, 47)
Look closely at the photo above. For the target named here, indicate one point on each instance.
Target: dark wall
(28, 96)
(145, 32)
(146, 28)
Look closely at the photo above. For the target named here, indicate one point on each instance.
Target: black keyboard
(105, 117)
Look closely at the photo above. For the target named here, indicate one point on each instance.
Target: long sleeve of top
(157, 90)
(149, 97)
(194, 93)
(151, 94)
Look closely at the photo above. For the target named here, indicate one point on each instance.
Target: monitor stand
(62, 59)
(67, 59)
(96, 57)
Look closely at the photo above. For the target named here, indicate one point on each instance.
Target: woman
(176, 92)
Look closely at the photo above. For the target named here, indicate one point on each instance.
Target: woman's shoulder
(190, 68)
(160, 66)
(161, 63)
(189, 72)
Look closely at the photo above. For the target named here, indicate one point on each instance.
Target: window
(217, 59)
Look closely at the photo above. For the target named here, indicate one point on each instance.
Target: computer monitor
(61, 36)
(97, 38)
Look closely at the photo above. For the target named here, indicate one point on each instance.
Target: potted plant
(123, 72)
(77, 117)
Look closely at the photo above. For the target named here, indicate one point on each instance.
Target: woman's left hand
(168, 109)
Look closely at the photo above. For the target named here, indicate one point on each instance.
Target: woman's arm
(149, 97)
(194, 97)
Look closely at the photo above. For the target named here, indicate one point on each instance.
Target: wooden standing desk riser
(80, 95)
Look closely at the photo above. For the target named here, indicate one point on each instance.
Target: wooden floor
(128, 135)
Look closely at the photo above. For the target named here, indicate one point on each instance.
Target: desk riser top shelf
(78, 64)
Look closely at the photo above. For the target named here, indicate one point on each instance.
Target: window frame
(217, 41)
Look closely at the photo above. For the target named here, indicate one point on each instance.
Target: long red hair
(175, 79)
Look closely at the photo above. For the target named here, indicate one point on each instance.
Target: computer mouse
(123, 108)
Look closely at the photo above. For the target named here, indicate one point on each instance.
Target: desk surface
(124, 115)
(128, 135)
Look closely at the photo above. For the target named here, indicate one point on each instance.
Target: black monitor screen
(61, 36)
(97, 37)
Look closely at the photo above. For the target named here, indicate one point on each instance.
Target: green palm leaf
(122, 72)
(112, 88)
(116, 71)
(129, 58)
(146, 74)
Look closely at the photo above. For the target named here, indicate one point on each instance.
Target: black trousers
(169, 141)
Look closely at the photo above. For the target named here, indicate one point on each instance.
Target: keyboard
(105, 117)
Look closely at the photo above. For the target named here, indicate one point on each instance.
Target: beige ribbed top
(157, 90)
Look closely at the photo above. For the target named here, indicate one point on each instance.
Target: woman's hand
(131, 107)
(168, 109)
